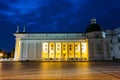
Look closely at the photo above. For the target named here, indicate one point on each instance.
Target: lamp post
(1, 55)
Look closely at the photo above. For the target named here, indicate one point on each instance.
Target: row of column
(52, 50)
(65, 51)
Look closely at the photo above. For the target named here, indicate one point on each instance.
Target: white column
(21, 50)
(39, 51)
(26, 55)
(74, 52)
(35, 48)
(80, 51)
(55, 51)
(41, 46)
(16, 57)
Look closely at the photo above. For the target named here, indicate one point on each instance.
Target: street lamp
(1, 55)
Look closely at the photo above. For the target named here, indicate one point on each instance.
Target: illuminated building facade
(88, 46)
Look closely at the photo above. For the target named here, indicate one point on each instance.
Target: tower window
(76, 45)
(57, 45)
(51, 45)
(111, 48)
(70, 45)
(111, 41)
(118, 39)
(97, 36)
(70, 48)
(63, 48)
(58, 49)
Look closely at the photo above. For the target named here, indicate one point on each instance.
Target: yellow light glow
(77, 50)
(51, 50)
(1, 54)
(18, 47)
(84, 47)
(45, 50)
(64, 51)
(58, 50)
(85, 55)
(71, 50)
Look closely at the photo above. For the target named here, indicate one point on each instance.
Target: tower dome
(93, 26)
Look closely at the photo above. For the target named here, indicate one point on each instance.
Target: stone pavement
(61, 70)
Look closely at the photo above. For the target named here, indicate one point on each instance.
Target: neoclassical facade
(88, 46)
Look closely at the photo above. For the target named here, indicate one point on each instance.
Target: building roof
(93, 27)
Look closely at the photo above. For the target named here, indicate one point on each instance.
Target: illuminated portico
(57, 48)
(65, 51)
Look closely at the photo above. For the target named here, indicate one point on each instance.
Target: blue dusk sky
(54, 16)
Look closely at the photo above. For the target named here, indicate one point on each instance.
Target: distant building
(115, 43)
(3, 54)
(94, 44)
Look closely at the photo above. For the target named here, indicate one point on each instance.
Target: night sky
(54, 16)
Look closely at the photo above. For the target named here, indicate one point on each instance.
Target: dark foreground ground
(60, 70)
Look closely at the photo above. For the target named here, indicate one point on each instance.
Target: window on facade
(70, 48)
(111, 41)
(77, 59)
(46, 49)
(51, 59)
(76, 45)
(111, 48)
(70, 45)
(76, 48)
(46, 45)
(58, 49)
(51, 45)
(51, 53)
(97, 36)
(118, 39)
(119, 47)
(57, 45)
(84, 58)
(51, 48)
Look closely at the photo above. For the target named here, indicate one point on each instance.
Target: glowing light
(77, 50)
(85, 55)
(17, 51)
(65, 50)
(71, 50)
(45, 50)
(51, 50)
(84, 47)
(58, 50)
(1, 54)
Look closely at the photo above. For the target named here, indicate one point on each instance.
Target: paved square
(60, 70)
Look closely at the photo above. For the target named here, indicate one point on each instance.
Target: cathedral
(89, 46)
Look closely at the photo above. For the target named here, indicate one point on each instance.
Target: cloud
(55, 16)
(25, 6)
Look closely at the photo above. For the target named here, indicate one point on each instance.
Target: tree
(12, 53)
